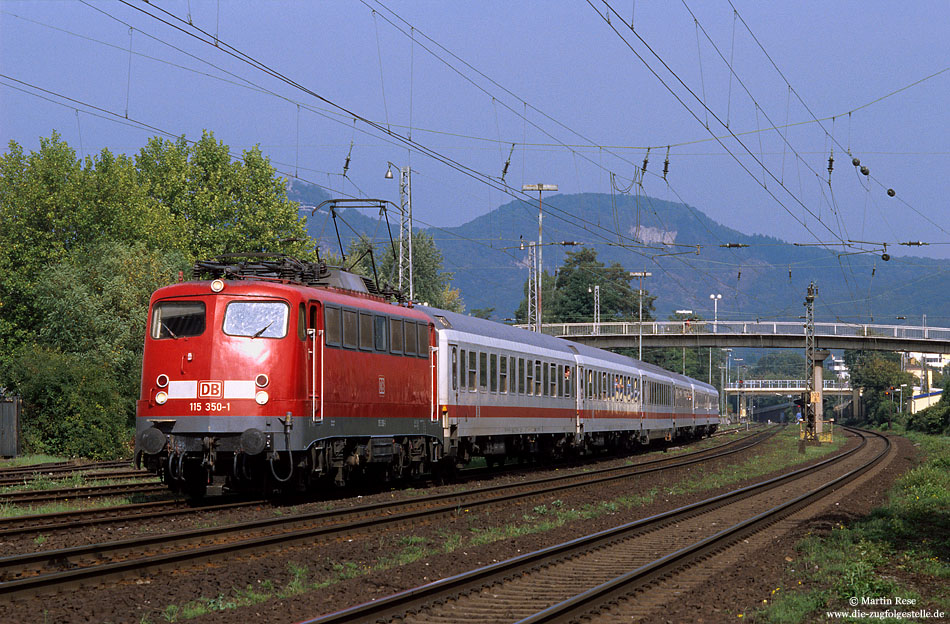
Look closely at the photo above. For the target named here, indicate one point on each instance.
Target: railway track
(70, 520)
(92, 491)
(57, 570)
(607, 576)
(60, 468)
(6, 481)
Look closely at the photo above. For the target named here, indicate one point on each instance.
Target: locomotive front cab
(217, 387)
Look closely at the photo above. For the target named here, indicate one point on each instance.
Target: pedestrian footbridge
(784, 386)
(772, 335)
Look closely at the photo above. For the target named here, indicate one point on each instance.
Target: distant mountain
(684, 250)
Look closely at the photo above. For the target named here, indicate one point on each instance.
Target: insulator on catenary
(831, 164)
(855, 161)
(646, 159)
(666, 163)
(891, 192)
(865, 170)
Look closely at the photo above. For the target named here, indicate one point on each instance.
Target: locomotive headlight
(161, 381)
(261, 397)
(217, 286)
(262, 381)
(161, 397)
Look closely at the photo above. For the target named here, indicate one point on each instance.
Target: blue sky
(554, 79)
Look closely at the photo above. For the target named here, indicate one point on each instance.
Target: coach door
(316, 340)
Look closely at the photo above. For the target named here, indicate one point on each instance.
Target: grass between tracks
(780, 452)
(900, 550)
(29, 460)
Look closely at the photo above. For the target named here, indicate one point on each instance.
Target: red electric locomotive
(280, 373)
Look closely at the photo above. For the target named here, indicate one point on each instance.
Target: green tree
(221, 204)
(431, 284)
(877, 372)
(784, 364)
(85, 242)
(568, 297)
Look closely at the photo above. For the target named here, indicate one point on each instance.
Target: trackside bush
(71, 404)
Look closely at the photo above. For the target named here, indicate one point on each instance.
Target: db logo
(209, 389)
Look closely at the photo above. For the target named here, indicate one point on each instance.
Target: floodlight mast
(540, 188)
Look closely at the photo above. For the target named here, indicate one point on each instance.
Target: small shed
(9, 426)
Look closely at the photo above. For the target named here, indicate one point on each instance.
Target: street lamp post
(640, 275)
(405, 222)
(540, 188)
(715, 299)
(686, 314)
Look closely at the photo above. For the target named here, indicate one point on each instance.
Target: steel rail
(38, 496)
(591, 600)
(411, 600)
(69, 520)
(333, 524)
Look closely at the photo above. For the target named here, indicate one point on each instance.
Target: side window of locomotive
(395, 335)
(176, 319)
(379, 333)
(302, 322)
(351, 329)
(333, 326)
(423, 341)
(455, 366)
(409, 328)
(256, 319)
(366, 331)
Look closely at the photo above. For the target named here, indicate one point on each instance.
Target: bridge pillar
(817, 398)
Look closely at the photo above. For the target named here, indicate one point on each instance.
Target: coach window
(543, 378)
(493, 373)
(472, 370)
(395, 335)
(463, 371)
(560, 379)
(568, 380)
(409, 328)
(423, 341)
(538, 382)
(503, 374)
(554, 377)
(455, 367)
(604, 386)
(482, 370)
(366, 331)
(529, 377)
(334, 326)
(520, 375)
(351, 329)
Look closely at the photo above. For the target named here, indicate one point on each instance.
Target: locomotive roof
(491, 329)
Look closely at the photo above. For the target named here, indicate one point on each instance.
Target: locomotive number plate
(382, 385)
(197, 406)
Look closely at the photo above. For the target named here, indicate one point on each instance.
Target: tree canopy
(85, 241)
(567, 297)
